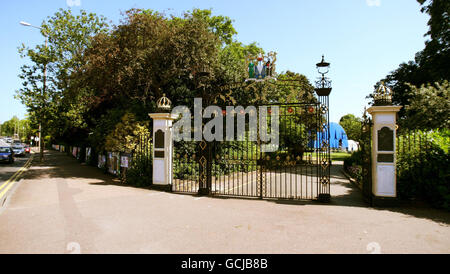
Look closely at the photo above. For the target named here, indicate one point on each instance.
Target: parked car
(3, 143)
(19, 150)
(27, 149)
(6, 155)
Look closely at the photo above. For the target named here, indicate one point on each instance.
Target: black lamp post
(323, 90)
(323, 85)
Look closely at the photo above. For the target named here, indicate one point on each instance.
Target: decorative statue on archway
(261, 67)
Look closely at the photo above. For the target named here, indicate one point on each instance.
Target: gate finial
(382, 95)
(164, 103)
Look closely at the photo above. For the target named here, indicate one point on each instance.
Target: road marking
(15, 174)
(8, 184)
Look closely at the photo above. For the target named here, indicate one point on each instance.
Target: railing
(423, 166)
(116, 163)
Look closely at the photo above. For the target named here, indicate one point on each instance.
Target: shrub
(140, 173)
(353, 165)
(126, 134)
(425, 174)
(184, 171)
(441, 138)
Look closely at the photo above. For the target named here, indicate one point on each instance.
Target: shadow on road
(343, 193)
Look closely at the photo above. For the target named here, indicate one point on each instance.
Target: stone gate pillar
(162, 146)
(384, 181)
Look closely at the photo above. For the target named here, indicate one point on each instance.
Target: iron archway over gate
(299, 169)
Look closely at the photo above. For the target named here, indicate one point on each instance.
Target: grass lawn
(335, 156)
(339, 156)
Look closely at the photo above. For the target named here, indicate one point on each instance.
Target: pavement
(65, 207)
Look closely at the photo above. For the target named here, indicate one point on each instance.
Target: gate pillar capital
(162, 149)
(384, 181)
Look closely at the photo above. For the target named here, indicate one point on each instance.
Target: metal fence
(115, 163)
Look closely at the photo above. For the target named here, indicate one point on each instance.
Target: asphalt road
(61, 206)
(7, 171)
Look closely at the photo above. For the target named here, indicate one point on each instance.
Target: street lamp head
(323, 85)
(323, 63)
(323, 67)
(25, 24)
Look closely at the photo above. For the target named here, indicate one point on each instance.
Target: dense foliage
(17, 128)
(353, 165)
(48, 78)
(429, 107)
(428, 71)
(425, 174)
(423, 166)
(97, 75)
(352, 126)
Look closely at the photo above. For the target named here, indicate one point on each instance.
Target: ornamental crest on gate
(261, 67)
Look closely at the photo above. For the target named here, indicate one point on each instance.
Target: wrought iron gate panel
(142, 157)
(235, 168)
(186, 167)
(299, 169)
(292, 171)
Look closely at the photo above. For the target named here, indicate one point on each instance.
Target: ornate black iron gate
(298, 169)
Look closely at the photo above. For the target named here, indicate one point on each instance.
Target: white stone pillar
(162, 149)
(384, 181)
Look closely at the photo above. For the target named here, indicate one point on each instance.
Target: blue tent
(338, 137)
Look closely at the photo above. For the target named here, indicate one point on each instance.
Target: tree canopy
(48, 79)
(104, 80)
(352, 126)
(17, 128)
(429, 68)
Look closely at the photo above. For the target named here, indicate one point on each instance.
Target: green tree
(17, 128)
(9, 128)
(126, 135)
(149, 54)
(434, 59)
(429, 107)
(352, 126)
(430, 65)
(221, 26)
(103, 75)
(46, 80)
(293, 88)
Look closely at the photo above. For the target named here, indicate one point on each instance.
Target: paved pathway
(64, 207)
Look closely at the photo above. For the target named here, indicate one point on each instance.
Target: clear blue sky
(363, 39)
